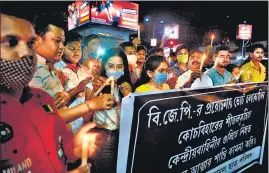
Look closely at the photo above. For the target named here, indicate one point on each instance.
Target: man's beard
(16, 74)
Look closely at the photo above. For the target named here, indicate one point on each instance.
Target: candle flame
(86, 138)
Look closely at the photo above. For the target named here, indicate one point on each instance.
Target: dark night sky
(214, 13)
(206, 13)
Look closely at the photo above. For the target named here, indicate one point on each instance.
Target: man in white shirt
(194, 78)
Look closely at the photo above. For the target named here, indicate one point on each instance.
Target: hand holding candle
(87, 142)
(105, 84)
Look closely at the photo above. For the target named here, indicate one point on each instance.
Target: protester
(156, 51)
(172, 59)
(154, 75)
(91, 53)
(180, 67)
(49, 48)
(194, 77)
(254, 71)
(135, 69)
(76, 75)
(218, 74)
(115, 65)
(36, 134)
(234, 70)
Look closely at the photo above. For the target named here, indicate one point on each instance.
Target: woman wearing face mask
(235, 70)
(154, 75)
(115, 65)
(90, 54)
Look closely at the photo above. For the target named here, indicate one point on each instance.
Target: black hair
(42, 21)
(220, 48)
(10, 8)
(71, 36)
(140, 47)
(126, 77)
(126, 44)
(153, 50)
(230, 67)
(151, 64)
(172, 54)
(88, 38)
(182, 46)
(255, 46)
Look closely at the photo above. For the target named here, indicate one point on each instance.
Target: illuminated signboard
(244, 32)
(116, 13)
(78, 14)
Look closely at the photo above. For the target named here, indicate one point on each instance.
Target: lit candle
(202, 63)
(112, 85)
(212, 38)
(138, 31)
(103, 86)
(84, 152)
(91, 67)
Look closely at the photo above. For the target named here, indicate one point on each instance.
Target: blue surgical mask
(160, 78)
(114, 73)
(172, 63)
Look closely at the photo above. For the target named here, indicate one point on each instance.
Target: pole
(243, 55)
(153, 30)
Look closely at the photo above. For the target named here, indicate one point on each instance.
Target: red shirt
(40, 142)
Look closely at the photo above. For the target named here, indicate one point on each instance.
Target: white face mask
(237, 77)
(132, 59)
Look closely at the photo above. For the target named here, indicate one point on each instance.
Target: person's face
(17, 38)
(195, 60)
(115, 63)
(236, 72)
(72, 52)
(93, 45)
(129, 50)
(183, 52)
(51, 45)
(257, 55)
(163, 68)
(141, 56)
(173, 58)
(222, 58)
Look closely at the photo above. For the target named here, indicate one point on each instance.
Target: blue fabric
(217, 78)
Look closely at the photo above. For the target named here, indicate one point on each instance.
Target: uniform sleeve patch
(6, 132)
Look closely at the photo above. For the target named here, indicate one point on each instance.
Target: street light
(147, 19)
(161, 21)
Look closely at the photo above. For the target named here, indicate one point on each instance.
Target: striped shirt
(46, 78)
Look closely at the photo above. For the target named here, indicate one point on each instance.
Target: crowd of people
(56, 89)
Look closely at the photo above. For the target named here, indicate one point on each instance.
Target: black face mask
(16, 74)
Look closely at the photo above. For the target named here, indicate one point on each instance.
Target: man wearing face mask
(32, 132)
(254, 71)
(194, 78)
(130, 52)
(180, 67)
(172, 59)
(91, 56)
(218, 74)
